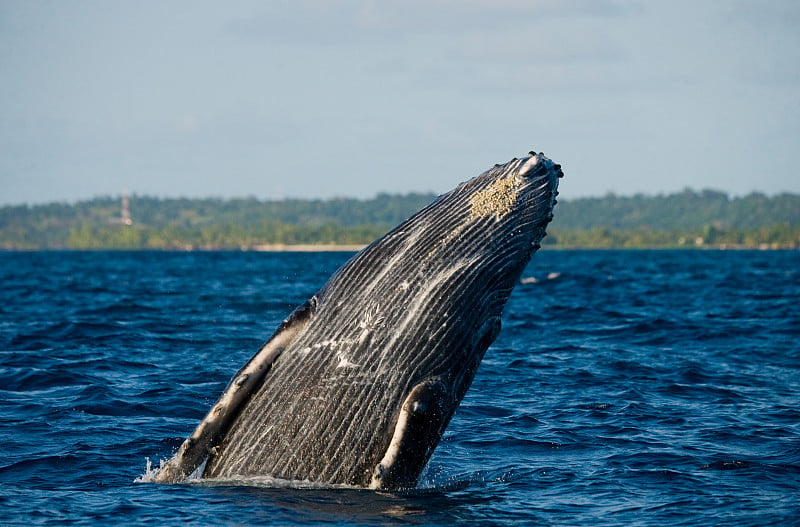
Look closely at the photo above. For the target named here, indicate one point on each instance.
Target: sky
(321, 99)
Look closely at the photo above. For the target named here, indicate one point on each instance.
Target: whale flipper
(200, 445)
(422, 420)
(418, 429)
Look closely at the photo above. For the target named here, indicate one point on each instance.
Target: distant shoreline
(311, 248)
(304, 248)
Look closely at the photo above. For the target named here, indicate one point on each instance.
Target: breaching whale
(357, 385)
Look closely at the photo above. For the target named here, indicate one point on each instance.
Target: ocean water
(626, 388)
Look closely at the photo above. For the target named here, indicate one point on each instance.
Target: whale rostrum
(358, 384)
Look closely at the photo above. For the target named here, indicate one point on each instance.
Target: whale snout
(537, 164)
(540, 176)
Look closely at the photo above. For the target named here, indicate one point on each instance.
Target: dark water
(632, 388)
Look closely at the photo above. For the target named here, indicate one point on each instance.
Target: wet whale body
(357, 385)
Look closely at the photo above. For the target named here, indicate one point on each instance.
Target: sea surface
(626, 388)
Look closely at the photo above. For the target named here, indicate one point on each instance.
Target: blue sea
(626, 388)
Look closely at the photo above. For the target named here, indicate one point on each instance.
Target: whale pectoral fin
(417, 432)
(199, 446)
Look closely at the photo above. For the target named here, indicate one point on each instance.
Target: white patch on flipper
(417, 424)
(390, 457)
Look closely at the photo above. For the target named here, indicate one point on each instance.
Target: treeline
(203, 223)
(686, 219)
(777, 236)
(222, 236)
(681, 211)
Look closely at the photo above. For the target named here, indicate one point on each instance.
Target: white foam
(149, 471)
(269, 482)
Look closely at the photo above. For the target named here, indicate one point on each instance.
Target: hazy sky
(308, 98)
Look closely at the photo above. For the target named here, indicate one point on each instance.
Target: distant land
(688, 219)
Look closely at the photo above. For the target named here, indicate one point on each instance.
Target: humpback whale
(358, 384)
